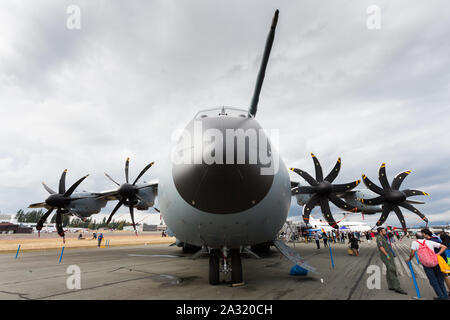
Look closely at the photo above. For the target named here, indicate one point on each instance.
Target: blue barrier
(331, 255)
(414, 279)
(17, 253)
(62, 252)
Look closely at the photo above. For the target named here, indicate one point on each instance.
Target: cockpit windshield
(223, 112)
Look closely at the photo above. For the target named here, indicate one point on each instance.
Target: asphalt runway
(163, 272)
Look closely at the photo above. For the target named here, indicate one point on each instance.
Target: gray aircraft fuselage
(229, 201)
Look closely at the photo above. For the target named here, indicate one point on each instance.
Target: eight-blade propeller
(128, 193)
(323, 191)
(391, 197)
(59, 201)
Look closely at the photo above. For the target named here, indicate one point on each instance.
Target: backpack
(426, 256)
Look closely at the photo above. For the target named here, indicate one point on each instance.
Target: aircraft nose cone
(230, 186)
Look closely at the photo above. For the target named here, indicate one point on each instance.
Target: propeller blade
(109, 177)
(346, 186)
(305, 176)
(382, 177)
(333, 174)
(42, 220)
(49, 190)
(62, 182)
(410, 207)
(410, 193)
(39, 205)
(372, 186)
(318, 168)
(303, 190)
(132, 215)
(326, 212)
(399, 179)
(58, 220)
(127, 165)
(387, 208)
(309, 206)
(142, 172)
(341, 203)
(400, 217)
(373, 201)
(118, 205)
(74, 186)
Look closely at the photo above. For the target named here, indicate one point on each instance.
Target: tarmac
(158, 271)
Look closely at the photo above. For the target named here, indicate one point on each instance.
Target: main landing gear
(219, 261)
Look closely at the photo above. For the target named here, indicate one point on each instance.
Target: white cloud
(135, 72)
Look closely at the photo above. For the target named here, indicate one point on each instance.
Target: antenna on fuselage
(262, 68)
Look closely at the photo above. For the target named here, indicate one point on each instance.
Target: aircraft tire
(214, 274)
(236, 266)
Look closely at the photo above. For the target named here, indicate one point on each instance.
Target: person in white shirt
(434, 274)
(316, 237)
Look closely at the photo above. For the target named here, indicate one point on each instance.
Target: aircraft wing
(107, 195)
(152, 184)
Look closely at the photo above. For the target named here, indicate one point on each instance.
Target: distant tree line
(33, 216)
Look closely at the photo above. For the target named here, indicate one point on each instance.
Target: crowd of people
(336, 236)
(431, 250)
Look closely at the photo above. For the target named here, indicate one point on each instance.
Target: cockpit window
(223, 112)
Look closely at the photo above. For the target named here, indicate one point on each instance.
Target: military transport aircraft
(225, 188)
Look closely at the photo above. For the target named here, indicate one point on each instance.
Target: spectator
(445, 238)
(426, 251)
(437, 239)
(388, 260)
(317, 238)
(343, 237)
(353, 241)
(325, 239)
(100, 238)
(388, 240)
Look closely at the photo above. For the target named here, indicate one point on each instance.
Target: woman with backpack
(428, 259)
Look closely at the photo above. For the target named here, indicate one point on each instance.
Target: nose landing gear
(219, 262)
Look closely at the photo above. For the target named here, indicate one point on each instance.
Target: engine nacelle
(353, 199)
(86, 207)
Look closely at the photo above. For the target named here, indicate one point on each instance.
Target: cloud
(136, 72)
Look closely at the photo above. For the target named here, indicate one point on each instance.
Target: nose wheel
(214, 274)
(219, 261)
(236, 267)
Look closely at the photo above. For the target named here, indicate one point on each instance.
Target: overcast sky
(137, 71)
